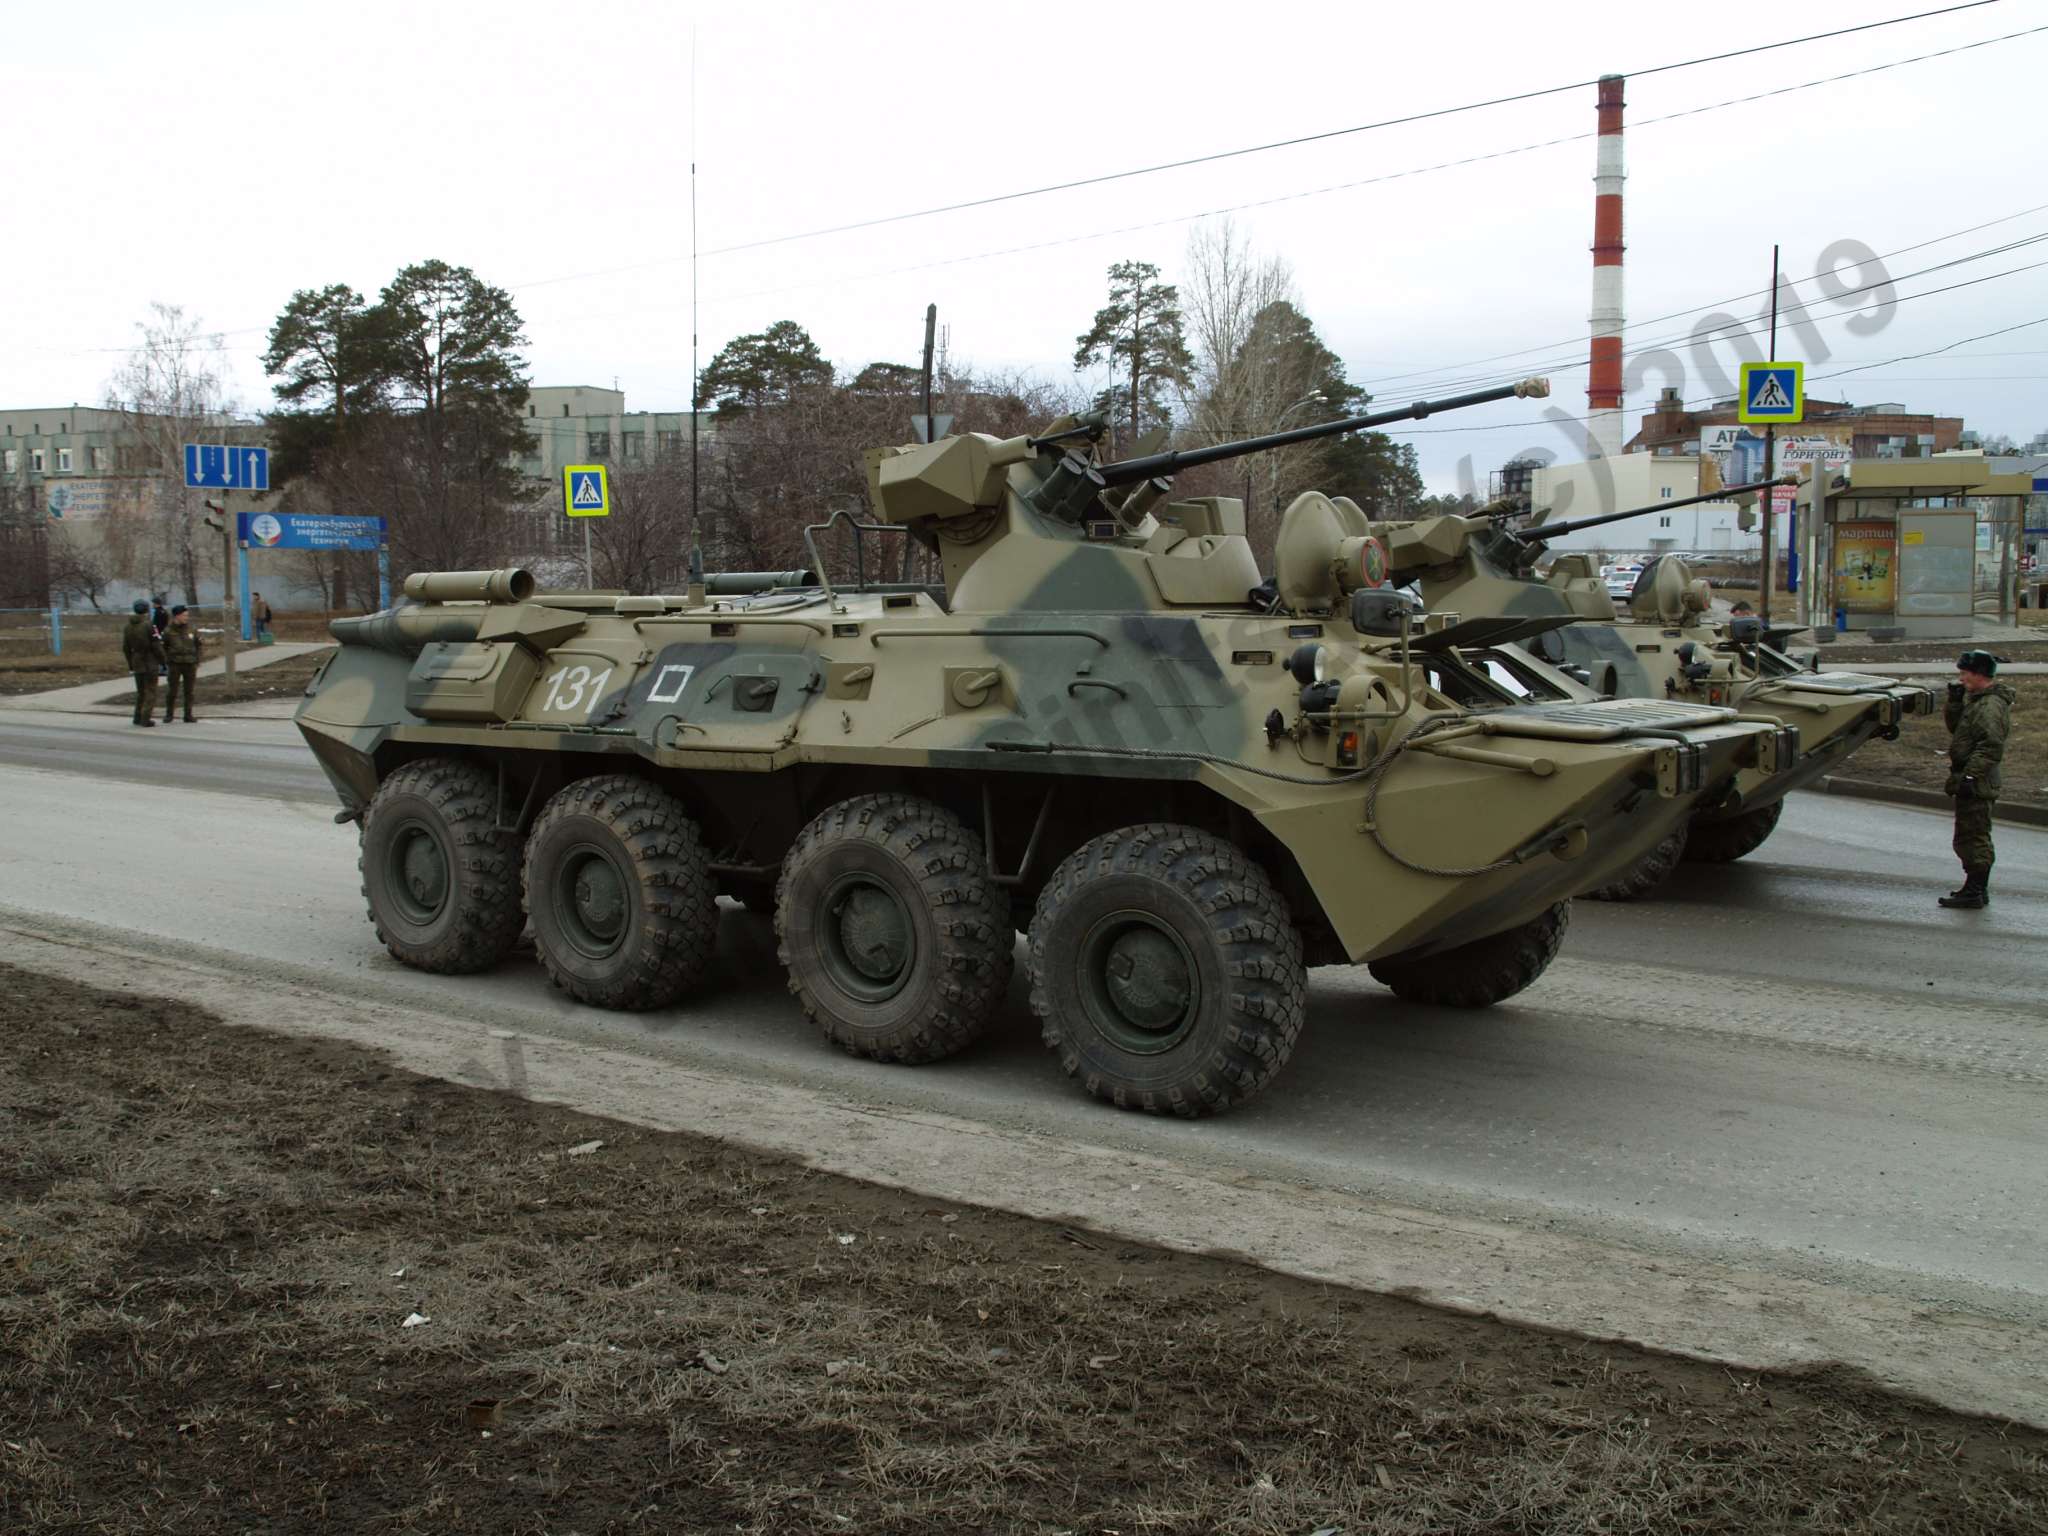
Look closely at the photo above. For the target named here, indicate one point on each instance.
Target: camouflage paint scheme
(1474, 565)
(1090, 662)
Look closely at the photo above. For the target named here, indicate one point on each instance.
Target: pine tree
(1139, 334)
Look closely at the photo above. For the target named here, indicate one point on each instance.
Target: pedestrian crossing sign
(586, 491)
(1772, 392)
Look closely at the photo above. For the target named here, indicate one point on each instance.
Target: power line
(1333, 133)
(838, 278)
(1804, 306)
(897, 218)
(1577, 356)
(1711, 400)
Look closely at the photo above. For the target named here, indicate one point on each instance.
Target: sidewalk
(86, 697)
(1926, 668)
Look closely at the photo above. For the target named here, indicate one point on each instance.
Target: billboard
(299, 530)
(1866, 566)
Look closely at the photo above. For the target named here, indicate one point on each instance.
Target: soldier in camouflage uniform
(144, 649)
(181, 645)
(1979, 713)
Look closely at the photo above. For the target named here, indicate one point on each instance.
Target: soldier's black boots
(1974, 894)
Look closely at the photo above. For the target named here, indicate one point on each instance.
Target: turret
(1480, 565)
(1035, 524)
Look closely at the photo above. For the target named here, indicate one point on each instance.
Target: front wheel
(1166, 971)
(1723, 842)
(620, 893)
(441, 878)
(1483, 972)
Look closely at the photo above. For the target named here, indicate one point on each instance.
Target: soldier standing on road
(145, 652)
(1978, 714)
(181, 645)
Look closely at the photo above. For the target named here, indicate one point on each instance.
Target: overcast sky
(219, 156)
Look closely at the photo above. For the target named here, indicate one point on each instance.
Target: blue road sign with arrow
(226, 467)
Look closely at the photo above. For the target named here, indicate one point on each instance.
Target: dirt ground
(212, 1243)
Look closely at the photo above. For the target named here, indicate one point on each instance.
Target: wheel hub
(600, 898)
(422, 874)
(1146, 978)
(592, 902)
(874, 933)
(1139, 986)
(865, 938)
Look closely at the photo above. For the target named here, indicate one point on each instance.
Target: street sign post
(226, 467)
(586, 492)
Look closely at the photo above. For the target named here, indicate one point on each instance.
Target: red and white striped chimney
(1603, 391)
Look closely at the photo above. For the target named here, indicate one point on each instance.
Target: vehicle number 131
(574, 688)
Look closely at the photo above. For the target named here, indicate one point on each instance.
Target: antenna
(696, 537)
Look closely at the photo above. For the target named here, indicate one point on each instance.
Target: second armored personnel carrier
(1101, 727)
(1664, 644)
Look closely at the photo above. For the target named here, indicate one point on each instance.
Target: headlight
(1309, 664)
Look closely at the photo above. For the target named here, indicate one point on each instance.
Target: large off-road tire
(897, 942)
(1646, 874)
(440, 877)
(621, 897)
(1723, 842)
(1166, 972)
(1483, 972)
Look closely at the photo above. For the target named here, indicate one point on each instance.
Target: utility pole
(1763, 609)
(230, 628)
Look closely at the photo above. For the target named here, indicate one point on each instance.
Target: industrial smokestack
(1603, 391)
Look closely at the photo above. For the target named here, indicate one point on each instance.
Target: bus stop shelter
(1919, 546)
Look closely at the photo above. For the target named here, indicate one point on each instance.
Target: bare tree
(167, 394)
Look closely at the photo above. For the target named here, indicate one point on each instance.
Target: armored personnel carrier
(1185, 785)
(1663, 644)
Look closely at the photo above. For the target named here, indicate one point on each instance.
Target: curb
(1928, 799)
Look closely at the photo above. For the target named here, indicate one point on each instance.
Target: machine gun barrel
(1544, 532)
(1130, 471)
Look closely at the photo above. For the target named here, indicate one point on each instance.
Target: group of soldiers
(157, 643)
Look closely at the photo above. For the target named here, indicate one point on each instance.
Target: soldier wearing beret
(1978, 714)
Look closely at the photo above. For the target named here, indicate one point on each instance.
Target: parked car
(1621, 579)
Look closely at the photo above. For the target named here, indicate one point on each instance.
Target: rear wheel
(1166, 971)
(897, 942)
(619, 890)
(1646, 874)
(1723, 842)
(440, 877)
(1483, 972)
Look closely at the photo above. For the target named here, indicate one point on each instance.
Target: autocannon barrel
(1542, 533)
(506, 586)
(1127, 471)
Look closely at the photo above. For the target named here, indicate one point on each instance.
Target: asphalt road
(1797, 1063)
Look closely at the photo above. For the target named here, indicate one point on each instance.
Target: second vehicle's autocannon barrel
(1543, 532)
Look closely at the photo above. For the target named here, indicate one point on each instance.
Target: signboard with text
(301, 530)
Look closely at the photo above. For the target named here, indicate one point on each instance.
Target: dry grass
(210, 1242)
(92, 648)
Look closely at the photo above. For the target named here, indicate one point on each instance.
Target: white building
(1569, 492)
